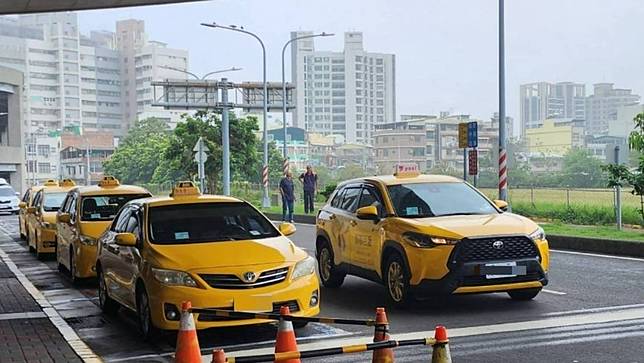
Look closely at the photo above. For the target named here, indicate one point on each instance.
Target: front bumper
(295, 294)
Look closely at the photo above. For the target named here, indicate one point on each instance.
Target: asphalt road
(592, 311)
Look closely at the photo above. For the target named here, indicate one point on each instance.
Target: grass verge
(604, 232)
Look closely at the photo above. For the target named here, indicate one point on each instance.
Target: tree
(581, 169)
(179, 156)
(137, 157)
(621, 175)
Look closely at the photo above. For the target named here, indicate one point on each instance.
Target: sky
(446, 50)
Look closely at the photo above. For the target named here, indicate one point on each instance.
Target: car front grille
(484, 249)
(293, 307)
(232, 282)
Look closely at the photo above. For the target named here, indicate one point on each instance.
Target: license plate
(502, 269)
(254, 304)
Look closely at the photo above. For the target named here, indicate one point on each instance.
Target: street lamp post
(266, 202)
(231, 69)
(323, 34)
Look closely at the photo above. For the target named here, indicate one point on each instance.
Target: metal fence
(568, 196)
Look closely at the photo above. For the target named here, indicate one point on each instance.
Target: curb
(574, 243)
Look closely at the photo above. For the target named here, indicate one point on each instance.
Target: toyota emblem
(249, 276)
(497, 245)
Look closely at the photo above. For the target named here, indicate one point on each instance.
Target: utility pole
(225, 135)
(618, 195)
(503, 167)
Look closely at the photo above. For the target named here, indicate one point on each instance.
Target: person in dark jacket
(310, 182)
(287, 190)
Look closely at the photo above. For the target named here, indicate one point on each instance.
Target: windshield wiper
(458, 214)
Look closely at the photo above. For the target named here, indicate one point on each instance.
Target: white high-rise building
(603, 104)
(143, 61)
(542, 100)
(342, 93)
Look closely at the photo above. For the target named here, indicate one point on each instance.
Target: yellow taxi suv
(41, 221)
(424, 235)
(85, 214)
(215, 251)
(26, 202)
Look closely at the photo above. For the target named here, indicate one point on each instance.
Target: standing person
(287, 190)
(310, 182)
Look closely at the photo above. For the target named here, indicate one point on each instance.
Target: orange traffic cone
(187, 343)
(218, 356)
(385, 355)
(440, 352)
(285, 341)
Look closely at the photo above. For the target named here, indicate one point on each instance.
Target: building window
(44, 168)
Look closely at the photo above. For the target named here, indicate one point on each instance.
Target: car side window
(350, 199)
(65, 206)
(72, 208)
(370, 196)
(337, 198)
(133, 225)
(37, 199)
(120, 222)
(25, 198)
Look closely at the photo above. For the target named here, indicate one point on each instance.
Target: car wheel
(524, 294)
(106, 303)
(329, 273)
(300, 324)
(39, 255)
(397, 280)
(61, 267)
(146, 327)
(31, 249)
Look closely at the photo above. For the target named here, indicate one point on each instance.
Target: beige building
(82, 156)
(11, 149)
(555, 137)
(399, 142)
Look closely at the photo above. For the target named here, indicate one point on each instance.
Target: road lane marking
(547, 291)
(550, 322)
(593, 310)
(27, 315)
(80, 348)
(599, 255)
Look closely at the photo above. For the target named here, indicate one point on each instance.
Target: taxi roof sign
(406, 170)
(184, 189)
(67, 183)
(109, 181)
(51, 183)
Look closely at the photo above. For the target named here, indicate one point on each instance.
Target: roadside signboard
(473, 163)
(462, 135)
(472, 134)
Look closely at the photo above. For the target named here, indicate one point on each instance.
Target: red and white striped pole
(503, 171)
(503, 158)
(265, 176)
(285, 167)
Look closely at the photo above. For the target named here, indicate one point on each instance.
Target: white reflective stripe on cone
(187, 322)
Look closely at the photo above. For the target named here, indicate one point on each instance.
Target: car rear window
(207, 222)
(105, 207)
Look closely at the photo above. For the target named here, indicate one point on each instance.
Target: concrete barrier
(574, 243)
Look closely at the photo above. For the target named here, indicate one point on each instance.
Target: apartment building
(603, 104)
(555, 137)
(542, 100)
(82, 156)
(399, 142)
(343, 93)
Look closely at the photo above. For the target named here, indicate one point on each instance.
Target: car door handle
(353, 223)
(331, 217)
(113, 249)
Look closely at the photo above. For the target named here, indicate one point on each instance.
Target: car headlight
(304, 268)
(424, 240)
(174, 278)
(538, 235)
(87, 241)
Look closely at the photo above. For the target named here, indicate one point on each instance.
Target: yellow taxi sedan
(215, 251)
(422, 235)
(26, 202)
(86, 213)
(41, 225)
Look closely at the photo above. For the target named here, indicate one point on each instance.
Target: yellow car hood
(94, 229)
(199, 256)
(460, 226)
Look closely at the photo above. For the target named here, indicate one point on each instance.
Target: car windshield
(7, 191)
(53, 201)
(208, 222)
(105, 207)
(437, 199)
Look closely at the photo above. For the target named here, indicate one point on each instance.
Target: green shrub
(577, 214)
(328, 190)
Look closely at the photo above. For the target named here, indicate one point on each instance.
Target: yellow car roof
(109, 190)
(397, 180)
(186, 192)
(49, 190)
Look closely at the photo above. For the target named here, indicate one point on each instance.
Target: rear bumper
(470, 278)
(46, 241)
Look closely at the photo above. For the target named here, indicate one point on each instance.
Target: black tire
(396, 279)
(146, 327)
(31, 249)
(524, 294)
(330, 276)
(107, 304)
(300, 324)
(72, 268)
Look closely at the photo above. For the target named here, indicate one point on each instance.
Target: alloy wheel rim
(325, 264)
(395, 281)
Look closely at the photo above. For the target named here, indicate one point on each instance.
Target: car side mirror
(369, 212)
(64, 218)
(31, 209)
(126, 239)
(501, 204)
(22, 205)
(287, 229)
